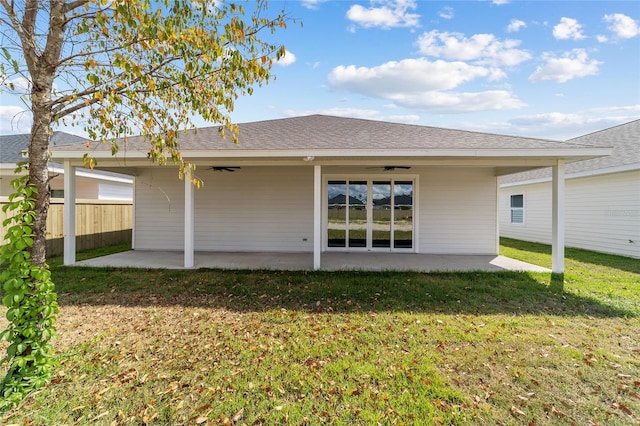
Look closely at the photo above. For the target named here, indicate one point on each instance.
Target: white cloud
(424, 85)
(622, 25)
(481, 48)
(18, 85)
(602, 38)
(367, 114)
(288, 59)
(446, 12)
(499, 2)
(14, 119)
(563, 126)
(452, 102)
(570, 65)
(391, 13)
(408, 75)
(516, 25)
(312, 4)
(568, 29)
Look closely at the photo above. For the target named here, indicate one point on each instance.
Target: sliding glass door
(370, 214)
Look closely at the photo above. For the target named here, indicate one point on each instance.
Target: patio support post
(69, 213)
(557, 236)
(317, 210)
(188, 221)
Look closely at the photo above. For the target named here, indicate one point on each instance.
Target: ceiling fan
(224, 168)
(390, 168)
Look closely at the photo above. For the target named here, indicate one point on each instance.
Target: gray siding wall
(602, 213)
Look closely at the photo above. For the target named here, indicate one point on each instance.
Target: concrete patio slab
(304, 261)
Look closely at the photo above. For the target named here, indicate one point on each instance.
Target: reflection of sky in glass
(403, 189)
(379, 191)
(358, 190)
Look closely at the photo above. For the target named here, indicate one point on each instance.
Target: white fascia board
(586, 173)
(93, 175)
(575, 153)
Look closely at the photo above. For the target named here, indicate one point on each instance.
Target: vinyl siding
(457, 211)
(602, 213)
(255, 209)
(159, 210)
(252, 209)
(271, 209)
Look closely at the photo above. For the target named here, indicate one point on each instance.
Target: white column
(69, 213)
(317, 215)
(557, 233)
(188, 221)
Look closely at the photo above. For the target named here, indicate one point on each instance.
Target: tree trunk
(39, 177)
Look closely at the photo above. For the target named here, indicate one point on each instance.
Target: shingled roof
(12, 146)
(624, 138)
(320, 132)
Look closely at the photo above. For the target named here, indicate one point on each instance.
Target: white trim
(189, 237)
(557, 225)
(511, 222)
(542, 153)
(370, 178)
(586, 173)
(317, 216)
(69, 221)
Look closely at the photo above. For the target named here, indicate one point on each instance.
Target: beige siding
(271, 209)
(255, 209)
(252, 209)
(159, 210)
(602, 213)
(457, 211)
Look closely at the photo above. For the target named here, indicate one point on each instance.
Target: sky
(548, 69)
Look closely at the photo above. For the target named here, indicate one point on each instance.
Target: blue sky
(551, 69)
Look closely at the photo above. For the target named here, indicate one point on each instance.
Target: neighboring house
(309, 184)
(90, 184)
(602, 204)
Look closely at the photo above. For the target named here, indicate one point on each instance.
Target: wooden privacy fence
(98, 224)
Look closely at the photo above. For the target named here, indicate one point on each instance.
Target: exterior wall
(457, 211)
(271, 209)
(158, 210)
(602, 213)
(88, 189)
(252, 209)
(255, 209)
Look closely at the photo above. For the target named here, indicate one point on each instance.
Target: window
(517, 208)
(57, 193)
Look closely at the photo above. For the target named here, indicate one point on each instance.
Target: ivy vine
(31, 301)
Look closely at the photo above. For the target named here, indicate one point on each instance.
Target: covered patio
(353, 261)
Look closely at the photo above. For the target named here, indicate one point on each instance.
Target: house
(308, 185)
(602, 202)
(90, 185)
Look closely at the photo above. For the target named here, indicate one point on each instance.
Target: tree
(118, 68)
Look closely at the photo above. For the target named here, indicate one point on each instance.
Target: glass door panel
(337, 214)
(357, 216)
(403, 214)
(381, 215)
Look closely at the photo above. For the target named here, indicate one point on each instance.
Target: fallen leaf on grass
(516, 411)
(623, 407)
(634, 394)
(99, 416)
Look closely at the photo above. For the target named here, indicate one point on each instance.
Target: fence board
(98, 224)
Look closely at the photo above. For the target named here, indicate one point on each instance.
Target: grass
(254, 347)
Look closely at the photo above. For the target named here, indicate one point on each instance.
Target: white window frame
(512, 209)
(370, 178)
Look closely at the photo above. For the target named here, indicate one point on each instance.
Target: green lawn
(260, 348)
